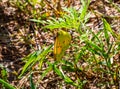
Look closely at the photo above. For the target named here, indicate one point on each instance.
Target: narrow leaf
(7, 85)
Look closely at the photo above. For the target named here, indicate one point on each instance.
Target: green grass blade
(69, 81)
(85, 4)
(30, 61)
(94, 46)
(7, 85)
(50, 67)
(96, 36)
(42, 56)
(32, 85)
(108, 27)
(4, 74)
(34, 57)
(80, 54)
(68, 68)
(57, 71)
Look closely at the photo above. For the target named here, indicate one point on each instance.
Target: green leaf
(37, 21)
(94, 46)
(85, 4)
(58, 72)
(4, 74)
(42, 56)
(80, 54)
(34, 58)
(107, 27)
(50, 67)
(31, 59)
(32, 86)
(68, 68)
(7, 85)
(69, 81)
(96, 36)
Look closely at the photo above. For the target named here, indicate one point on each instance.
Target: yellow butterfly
(62, 42)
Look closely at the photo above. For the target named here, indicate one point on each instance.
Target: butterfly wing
(62, 42)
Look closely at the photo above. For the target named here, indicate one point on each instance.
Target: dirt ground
(12, 48)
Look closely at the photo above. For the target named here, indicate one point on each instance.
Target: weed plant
(91, 57)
